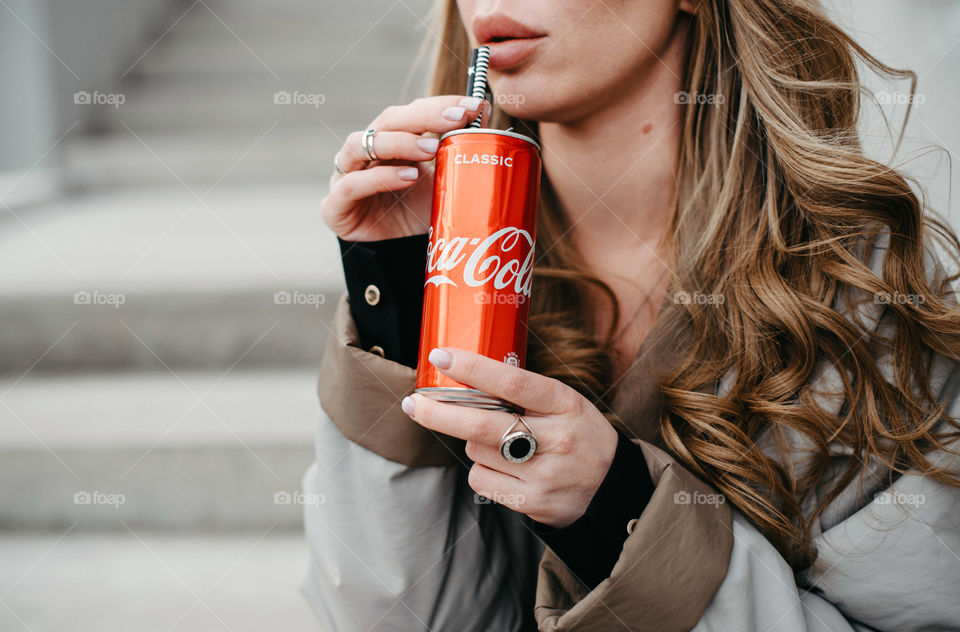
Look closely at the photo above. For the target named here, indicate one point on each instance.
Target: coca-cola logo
(484, 260)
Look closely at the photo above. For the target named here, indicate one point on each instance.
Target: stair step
(290, 36)
(255, 99)
(269, 153)
(272, 56)
(222, 449)
(150, 582)
(195, 286)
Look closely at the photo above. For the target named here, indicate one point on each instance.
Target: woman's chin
(530, 109)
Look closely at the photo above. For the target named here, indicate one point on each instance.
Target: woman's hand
(391, 197)
(576, 443)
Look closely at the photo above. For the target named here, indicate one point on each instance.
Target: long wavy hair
(777, 208)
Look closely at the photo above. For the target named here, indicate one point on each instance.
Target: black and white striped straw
(477, 77)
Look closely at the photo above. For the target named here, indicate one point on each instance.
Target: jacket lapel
(637, 399)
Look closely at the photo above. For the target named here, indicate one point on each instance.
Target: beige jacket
(401, 542)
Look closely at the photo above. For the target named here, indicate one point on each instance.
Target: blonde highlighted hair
(777, 208)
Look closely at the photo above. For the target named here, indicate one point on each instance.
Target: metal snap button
(372, 294)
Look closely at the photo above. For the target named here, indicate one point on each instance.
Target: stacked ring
(367, 144)
(336, 165)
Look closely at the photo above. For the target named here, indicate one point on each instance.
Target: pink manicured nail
(428, 145)
(453, 114)
(471, 103)
(408, 405)
(410, 173)
(440, 358)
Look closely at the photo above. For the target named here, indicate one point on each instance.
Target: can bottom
(466, 397)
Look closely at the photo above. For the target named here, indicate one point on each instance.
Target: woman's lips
(512, 52)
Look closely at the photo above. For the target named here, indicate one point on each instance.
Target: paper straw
(470, 70)
(479, 68)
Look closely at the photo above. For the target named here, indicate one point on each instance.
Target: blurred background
(166, 281)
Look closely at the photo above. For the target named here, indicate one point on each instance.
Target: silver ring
(336, 165)
(368, 144)
(518, 446)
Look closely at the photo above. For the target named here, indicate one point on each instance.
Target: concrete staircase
(212, 89)
(196, 250)
(162, 325)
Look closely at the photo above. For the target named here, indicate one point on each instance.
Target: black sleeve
(591, 545)
(385, 285)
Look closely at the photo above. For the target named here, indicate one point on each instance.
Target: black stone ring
(518, 446)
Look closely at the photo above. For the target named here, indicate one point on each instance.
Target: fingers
(431, 114)
(387, 146)
(498, 487)
(399, 129)
(518, 386)
(489, 456)
(471, 424)
(348, 189)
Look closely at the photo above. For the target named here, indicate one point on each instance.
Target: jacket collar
(637, 399)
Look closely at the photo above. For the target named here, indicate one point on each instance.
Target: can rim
(485, 130)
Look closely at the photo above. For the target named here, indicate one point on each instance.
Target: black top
(388, 317)
(395, 267)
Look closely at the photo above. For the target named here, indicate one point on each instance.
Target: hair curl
(778, 208)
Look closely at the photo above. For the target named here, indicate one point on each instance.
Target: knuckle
(325, 210)
(480, 429)
(351, 143)
(539, 494)
(343, 188)
(513, 384)
(425, 412)
(474, 478)
(388, 112)
(563, 443)
(472, 449)
(570, 400)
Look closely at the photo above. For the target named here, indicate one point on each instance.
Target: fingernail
(408, 405)
(453, 114)
(471, 103)
(440, 358)
(428, 145)
(409, 173)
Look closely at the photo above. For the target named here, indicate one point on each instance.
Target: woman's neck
(614, 175)
(614, 169)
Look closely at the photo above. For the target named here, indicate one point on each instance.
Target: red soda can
(480, 250)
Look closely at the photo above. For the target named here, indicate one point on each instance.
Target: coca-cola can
(479, 256)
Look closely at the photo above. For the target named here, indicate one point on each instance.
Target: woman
(742, 356)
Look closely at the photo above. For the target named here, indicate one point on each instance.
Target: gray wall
(923, 36)
(49, 50)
